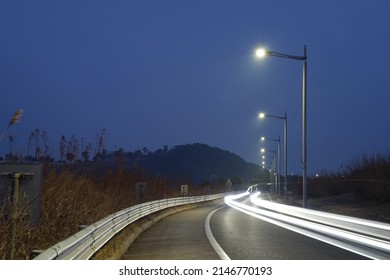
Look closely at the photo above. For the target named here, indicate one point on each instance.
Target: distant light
(260, 52)
(262, 150)
(261, 115)
(262, 138)
(263, 157)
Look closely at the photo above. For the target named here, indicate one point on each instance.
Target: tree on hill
(201, 163)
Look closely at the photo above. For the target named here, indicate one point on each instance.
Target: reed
(76, 195)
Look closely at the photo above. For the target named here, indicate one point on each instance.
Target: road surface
(183, 236)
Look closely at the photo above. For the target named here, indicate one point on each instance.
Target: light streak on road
(367, 238)
(313, 214)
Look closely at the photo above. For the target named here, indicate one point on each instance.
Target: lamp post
(262, 53)
(263, 161)
(278, 169)
(273, 165)
(262, 115)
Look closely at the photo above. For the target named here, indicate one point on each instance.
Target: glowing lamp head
(262, 150)
(261, 115)
(261, 52)
(263, 138)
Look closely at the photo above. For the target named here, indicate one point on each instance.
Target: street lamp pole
(262, 115)
(285, 155)
(262, 53)
(278, 155)
(273, 165)
(304, 133)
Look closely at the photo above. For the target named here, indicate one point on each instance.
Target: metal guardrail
(85, 243)
(364, 237)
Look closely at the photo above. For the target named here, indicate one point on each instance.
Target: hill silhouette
(200, 164)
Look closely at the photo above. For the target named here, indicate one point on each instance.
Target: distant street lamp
(263, 115)
(262, 53)
(278, 169)
(272, 164)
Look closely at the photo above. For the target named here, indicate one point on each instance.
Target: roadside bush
(367, 177)
(370, 176)
(77, 195)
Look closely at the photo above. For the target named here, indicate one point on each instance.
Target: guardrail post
(35, 253)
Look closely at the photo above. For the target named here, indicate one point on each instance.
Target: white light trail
(356, 235)
(308, 213)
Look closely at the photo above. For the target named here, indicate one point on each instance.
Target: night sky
(155, 73)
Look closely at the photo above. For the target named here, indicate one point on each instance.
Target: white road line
(217, 248)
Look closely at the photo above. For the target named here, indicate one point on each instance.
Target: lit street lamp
(273, 165)
(262, 115)
(278, 169)
(262, 53)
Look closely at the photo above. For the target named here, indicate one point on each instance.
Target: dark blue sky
(157, 73)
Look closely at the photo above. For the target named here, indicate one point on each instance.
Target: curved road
(183, 237)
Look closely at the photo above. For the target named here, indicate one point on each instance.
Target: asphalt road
(180, 236)
(242, 237)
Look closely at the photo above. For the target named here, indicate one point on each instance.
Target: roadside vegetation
(88, 183)
(360, 189)
(77, 195)
(367, 177)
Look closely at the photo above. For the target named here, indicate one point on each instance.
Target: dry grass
(366, 177)
(78, 195)
(82, 194)
(361, 189)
